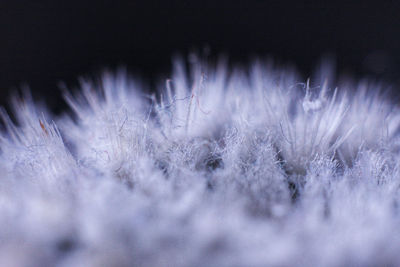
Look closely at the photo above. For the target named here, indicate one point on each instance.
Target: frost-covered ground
(246, 167)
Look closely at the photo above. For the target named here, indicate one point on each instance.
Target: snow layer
(222, 167)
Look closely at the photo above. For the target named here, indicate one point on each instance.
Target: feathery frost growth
(221, 167)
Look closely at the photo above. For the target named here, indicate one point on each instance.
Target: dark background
(45, 42)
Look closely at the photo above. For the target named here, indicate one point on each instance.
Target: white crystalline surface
(220, 167)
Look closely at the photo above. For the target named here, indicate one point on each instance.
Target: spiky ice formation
(219, 168)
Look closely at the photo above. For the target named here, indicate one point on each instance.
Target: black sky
(44, 42)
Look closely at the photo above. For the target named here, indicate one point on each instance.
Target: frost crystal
(219, 168)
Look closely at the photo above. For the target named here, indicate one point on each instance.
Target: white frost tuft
(219, 168)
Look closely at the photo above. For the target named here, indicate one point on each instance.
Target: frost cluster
(221, 167)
